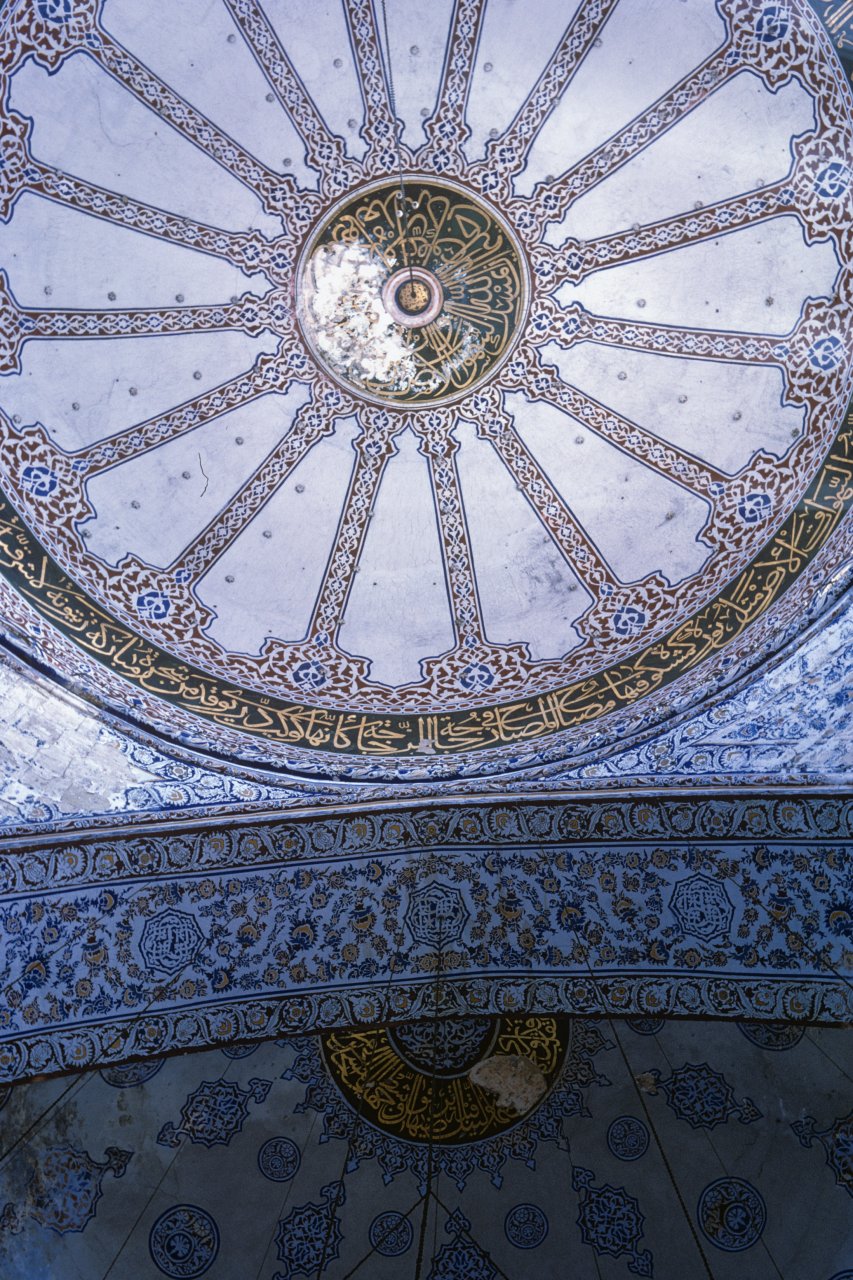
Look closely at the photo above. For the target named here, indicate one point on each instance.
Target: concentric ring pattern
(250, 552)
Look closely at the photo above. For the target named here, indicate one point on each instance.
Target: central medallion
(413, 297)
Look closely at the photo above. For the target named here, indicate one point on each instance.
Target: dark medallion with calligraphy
(411, 1081)
(414, 298)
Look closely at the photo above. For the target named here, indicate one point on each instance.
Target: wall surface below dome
(125, 944)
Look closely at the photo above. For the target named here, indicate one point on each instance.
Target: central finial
(413, 296)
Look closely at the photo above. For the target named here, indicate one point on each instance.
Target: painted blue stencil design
(703, 1097)
(775, 1036)
(463, 1256)
(308, 1232)
(454, 1043)
(170, 941)
(628, 621)
(702, 907)
(645, 1026)
(57, 11)
(731, 1214)
(240, 1050)
(436, 915)
(279, 1159)
(390, 1234)
(628, 1138)
(773, 23)
(832, 180)
(214, 1113)
(611, 1222)
(184, 1242)
(526, 1226)
(755, 507)
(837, 1142)
(39, 481)
(826, 353)
(64, 1189)
(310, 675)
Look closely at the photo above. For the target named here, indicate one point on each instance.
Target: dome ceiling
(303, 470)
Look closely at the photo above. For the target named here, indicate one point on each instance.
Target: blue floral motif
(58, 11)
(826, 353)
(309, 1232)
(153, 605)
(629, 620)
(279, 1159)
(755, 507)
(837, 1142)
(436, 915)
(239, 1050)
(214, 1113)
(703, 1097)
(39, 481)
(526, 1226)
(455, 1043)
(731, 1214)
(833, 180)
(610, 1221)
(65, 1187)
(310, 675)
(170, 941)
(645, 1026)
(839, 918)
(773, 23)
(476, 676)
(390, 1234)
(463, 1256)
(628, 1138)
(129, 1074)
(184, 1242)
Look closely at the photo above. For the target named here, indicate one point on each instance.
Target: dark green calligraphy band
(36, 578)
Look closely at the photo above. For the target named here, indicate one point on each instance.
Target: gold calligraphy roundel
(412, 297)
(411, 1081)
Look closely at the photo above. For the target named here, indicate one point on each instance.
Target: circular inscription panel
(388, 1076)
(412, 297)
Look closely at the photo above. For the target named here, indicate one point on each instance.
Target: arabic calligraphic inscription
(412, 298)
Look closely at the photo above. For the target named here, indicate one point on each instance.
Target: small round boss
(413, 297)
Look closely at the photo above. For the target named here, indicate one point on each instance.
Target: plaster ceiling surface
(267, 513)
(661, 1149)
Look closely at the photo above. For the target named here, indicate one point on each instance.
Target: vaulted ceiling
(425, 634)
(252, 506)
